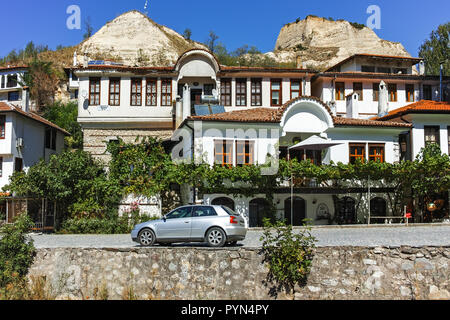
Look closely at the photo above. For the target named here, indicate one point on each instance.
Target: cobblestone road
(331, 236)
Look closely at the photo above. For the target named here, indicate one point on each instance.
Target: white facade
(24, 141)
(11, 89)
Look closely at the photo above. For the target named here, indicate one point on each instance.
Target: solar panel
(202, 110)
(217, 109)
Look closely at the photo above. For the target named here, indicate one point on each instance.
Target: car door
(202, 219)
(176, 226)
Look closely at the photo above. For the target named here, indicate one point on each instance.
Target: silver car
(215, 225)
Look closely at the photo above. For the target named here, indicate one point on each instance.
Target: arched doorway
(346, 213)
(259, 209)
(224, 201)
(299, 211)
(378, 208)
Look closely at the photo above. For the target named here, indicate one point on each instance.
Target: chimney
(352, 105)
(75, 61)
(333, 108)
(422, 68)
(186, 102)
(383, 107)
(178, 111)
(85, 60)
(299, 62)
(26, 99)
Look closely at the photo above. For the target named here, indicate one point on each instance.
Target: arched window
(224, 201)
(346, 213)
(299, 212)
(259, 209)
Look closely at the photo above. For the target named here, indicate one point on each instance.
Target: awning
(314, 143)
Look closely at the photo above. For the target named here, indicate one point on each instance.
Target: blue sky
(236, 22)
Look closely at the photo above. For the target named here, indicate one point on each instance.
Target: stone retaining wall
(238, 273)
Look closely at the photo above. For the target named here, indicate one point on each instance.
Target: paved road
(356, 236)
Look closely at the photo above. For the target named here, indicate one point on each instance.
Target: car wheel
(147, 238)
(216, 237)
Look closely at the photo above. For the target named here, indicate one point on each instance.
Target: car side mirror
(164, 218)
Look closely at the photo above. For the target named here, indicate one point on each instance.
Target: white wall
(418, 132)
(33, 134)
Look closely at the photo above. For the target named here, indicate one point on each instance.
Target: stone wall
(95, 139)
(239, 273)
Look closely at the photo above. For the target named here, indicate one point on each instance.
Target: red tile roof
(250, 115)
(6, 107)
(422, 106)
(338, 121)
(3, 68)
(379, 56)
(274, 115)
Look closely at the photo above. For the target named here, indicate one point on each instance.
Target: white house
(25, 139)
(11, 89)
(249, 137)
(247, 115)
(430, 122)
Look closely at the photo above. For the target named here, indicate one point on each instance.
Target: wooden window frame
(375, 91)
(375, 157)
(95, 93)
(241, 85)
(2, 127)
(250, 155)
(280, 91)
(409, 93)
(356, 155)
(392, 92)
(438, 131)
(361, 91)
(338, 95)
(135, 82)
(166, 99)
(116, 92)
(223, 152)
(255, 96)
(299, 91)
(148, 94)
(226, 97)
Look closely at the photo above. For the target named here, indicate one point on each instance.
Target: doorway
(299, 211)
(259, 209)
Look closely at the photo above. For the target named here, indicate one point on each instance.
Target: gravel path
(353, 236)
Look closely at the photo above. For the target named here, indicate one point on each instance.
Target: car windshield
(229, 211)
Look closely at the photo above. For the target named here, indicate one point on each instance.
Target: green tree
(436, 50)
(211, 42)
(187, 34)
(88, 27)
(73, 179)
(65, 116)
(42, 81)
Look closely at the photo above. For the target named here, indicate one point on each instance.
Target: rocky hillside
(134, 39)
(321, 43)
